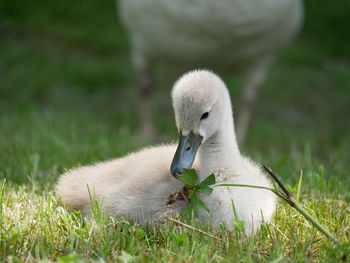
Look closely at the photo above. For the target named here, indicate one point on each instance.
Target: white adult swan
(232, 36)
(139, 185)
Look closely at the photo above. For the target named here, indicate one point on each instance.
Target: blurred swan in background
(240, 36)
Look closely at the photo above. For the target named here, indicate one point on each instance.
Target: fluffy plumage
(139, 184)
(202, 91)
(136, 186)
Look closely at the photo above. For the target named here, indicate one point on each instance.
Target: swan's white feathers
(136, 185)
(207, 33)
(219, 153)
(139, 184)
(252, 205)
(195, 93)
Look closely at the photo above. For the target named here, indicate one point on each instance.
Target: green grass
(67, 98)
(37, 226)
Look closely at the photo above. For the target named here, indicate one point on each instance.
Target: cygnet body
(136, 186)
(203, 112)
(139, 185)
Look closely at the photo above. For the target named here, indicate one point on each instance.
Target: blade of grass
(297, 197)
(193, 228)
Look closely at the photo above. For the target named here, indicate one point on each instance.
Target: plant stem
(193, 228)
(258, 187)
(293, 203)
(246, 185)
(313, 220)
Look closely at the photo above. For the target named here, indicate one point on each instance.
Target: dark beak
(185, 153)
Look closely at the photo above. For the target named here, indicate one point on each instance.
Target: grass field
(67, 98)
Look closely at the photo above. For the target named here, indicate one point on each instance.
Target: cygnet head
(202, 106)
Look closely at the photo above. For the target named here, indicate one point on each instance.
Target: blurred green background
(67, 94)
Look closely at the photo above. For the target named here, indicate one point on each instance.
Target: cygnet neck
(220, 151)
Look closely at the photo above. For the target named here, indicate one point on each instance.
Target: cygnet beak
(185, 152)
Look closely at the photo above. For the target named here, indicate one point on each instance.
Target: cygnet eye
(205, 115)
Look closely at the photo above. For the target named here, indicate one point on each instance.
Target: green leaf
(71, 257)
(208, 181)
(106, 249)
(202, 205)
(189, 177)
(197, 201)
(204, 185)
(205, 190)
(238, 224)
